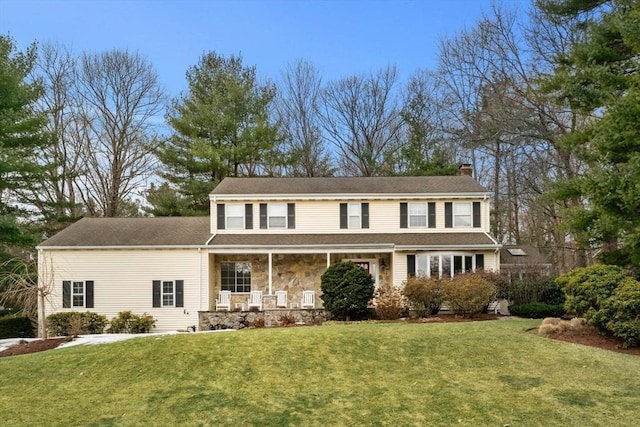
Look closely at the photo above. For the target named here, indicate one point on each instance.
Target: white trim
(257, 198)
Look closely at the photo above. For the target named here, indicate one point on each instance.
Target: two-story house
(272, 235)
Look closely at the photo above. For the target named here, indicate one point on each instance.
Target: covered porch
(284, 277)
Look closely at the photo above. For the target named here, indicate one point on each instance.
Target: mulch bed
(592, 338)
(34, 346)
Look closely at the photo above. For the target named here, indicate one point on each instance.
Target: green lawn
(470, 374)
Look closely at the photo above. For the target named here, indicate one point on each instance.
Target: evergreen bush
(128, 323)
(74, 323)
(16, 326)
(346, 290)
(537, 310)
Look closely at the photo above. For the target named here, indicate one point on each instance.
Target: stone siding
(216, 320)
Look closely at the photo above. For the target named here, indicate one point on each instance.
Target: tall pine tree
(20, 134)
(601, 77)
(221, 128)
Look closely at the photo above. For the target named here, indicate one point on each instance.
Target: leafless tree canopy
(360, 115)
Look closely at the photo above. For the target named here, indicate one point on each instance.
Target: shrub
(537, 310)
(346, 290)
(531, 290)
(500, 281)
(127, 322)
(621, 313)
(554, 325)
(258, 323)
(389, 303)
(287, 319)
(74, 323)
(423, 295)
(15, 326)
(468, 294)
(587, 288)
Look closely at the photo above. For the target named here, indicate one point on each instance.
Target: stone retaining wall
(215, 320)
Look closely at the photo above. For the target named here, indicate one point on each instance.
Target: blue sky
(341, 38)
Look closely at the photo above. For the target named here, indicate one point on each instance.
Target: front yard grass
(489, 373)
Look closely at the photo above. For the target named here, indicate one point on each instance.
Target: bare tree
(361, 117)
(28, 285)
(297, 110)
(120, 102)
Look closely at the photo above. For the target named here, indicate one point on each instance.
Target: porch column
(328, 259)
(270, 273)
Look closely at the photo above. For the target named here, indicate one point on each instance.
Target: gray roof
(162, 231)
(349, 185)
(532, 257)
(398, 239)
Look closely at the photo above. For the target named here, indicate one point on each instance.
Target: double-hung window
(462, 214)
(235, 216)
(355, 215)
(235, 276)
(277, 215)
(417, 215)
(168, 293)
(77, 294)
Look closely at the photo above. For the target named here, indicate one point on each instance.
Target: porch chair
(224, 301)
(281, 299)
(255, 300)
(308, 299)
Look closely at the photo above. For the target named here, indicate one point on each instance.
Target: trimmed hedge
(73, 323)
(346, 290)
(16, 327)
(468, 294)
(537, 310)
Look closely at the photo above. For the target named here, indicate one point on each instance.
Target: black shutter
(343, 215)
(220, 207)
(88, 303)
(66, 294)
(479, 261)
(411, 265)
(476, 214)
(404, 215)
(248, 216)
(156, 294)
(431, 211)
(263, 215)
(448, 215)
(179, 293)
(291, 215)
(365, 215)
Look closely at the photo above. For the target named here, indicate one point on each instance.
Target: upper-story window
(277, 215)
(418, 215)
(77, 294)
(235, 216)
(462, 214)
(354, 215)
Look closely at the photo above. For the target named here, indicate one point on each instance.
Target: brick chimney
(465, 169)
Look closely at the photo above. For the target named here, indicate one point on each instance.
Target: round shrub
(346, 290)
(621, 313)
(74, 323)
(128, 323)
(537, 310)
(587, 288)
(389, 303)
(423, 295)
(468, 294)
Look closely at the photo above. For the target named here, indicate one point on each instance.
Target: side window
(77, 294)
(168, 293)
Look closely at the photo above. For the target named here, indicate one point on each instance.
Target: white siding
(323, 216)
(123, 281)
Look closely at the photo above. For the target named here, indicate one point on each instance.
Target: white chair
(281, 299)
(308, 299)
(224, 301)
(255, 300)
